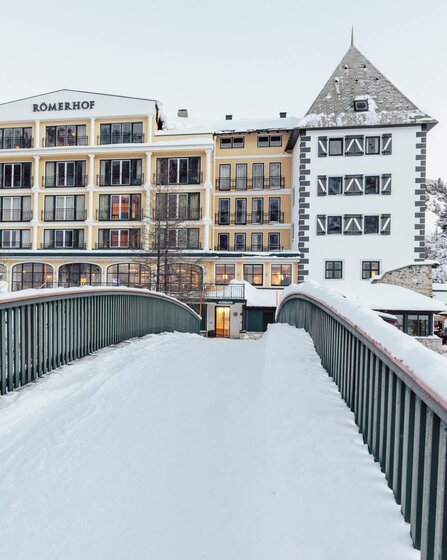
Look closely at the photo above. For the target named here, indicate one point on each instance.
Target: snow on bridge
(174, 446)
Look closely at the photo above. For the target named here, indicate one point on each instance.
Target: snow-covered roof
(356, 78)
(384, 297)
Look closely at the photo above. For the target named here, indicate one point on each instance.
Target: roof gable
(355, 77)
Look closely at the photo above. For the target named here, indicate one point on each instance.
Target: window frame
(331, 271)
(252, 274)
(367, 269)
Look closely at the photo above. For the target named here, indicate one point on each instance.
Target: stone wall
(432, 342)
(418, 278)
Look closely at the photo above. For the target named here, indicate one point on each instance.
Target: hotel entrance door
(223, 321)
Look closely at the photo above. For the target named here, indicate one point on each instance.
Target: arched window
(133, 275)
(185, 278)
(31, 275)
(79, 274)
(3, 273)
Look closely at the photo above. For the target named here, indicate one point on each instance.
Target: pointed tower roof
(356, 78)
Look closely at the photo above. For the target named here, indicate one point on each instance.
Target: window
(15, 208)
(274, 209)
(225, 177)
(272, 140)
(15, 239)
(371, 224)
(274, 241)
(373, 145)
(240, 211)
(129, 274)
(119, 207)
(121, 133)
(257, 210)
(334, 224)
(335, 185)
(14, 138)
(64, 208)
(372, 184)
(121, 172)
(224, 211)
(239, 241)
(281, 274)
(118, 239)
(15, 175)
(66, 135)
(79, 274)
(31, 275)
(257, 171)
(333, 270)
(254, 273)
(370, 269)
(241, 176)
(360, 105)
(65, 174)
(354, 146)
(336, 146)
(178, 171)
(232, 142)
(63, 239)
(257, 241)
(352, 224)
(418, 325)
(223, 242)
(275, 178)
(177, 206)
(224, 273)
(353, 185)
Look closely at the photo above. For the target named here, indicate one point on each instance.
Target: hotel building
(93, 187)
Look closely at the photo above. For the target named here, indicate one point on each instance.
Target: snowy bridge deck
(177, 447)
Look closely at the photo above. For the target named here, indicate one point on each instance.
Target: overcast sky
(251, 58)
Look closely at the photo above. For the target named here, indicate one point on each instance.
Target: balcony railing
(185, 215)
(108, 215)
(250, 183)
(64, 215)
(16, 216)
(17, 143)
(110, 245)
(28, 185)
(250, 248)
(64, 181)
(15, 245)
(62, 142)
(162, 179)
(249, 219)
(104, 139)
(223, 291)
(55, 245)
(107, 181)
(192, 247)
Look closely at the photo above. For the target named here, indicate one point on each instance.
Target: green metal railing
(42, 332)
(402, 421)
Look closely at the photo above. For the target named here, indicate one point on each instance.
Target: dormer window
(360, 105)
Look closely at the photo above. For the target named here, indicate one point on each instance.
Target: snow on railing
(397, 390)
(41, 330)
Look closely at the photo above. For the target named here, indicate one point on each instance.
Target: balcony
(15, 245)
(17, 143)
(161, 179)
(55, 245)
(25, 184)
(192, 247)
(107, 181)
(65, 141)
(251, 249)
(64, 181)
(249, 219)
(223, 292)
(106, 139)
(108, 215)
(253, 183)
(188, 214)
(16, 215)
(64, 215)
(110, 245)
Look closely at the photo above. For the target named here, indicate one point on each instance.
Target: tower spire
(352, 36)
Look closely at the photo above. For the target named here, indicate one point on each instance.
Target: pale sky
(251, 58)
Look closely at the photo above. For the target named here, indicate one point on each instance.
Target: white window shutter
(322, 185)
(385, 224)
(321, 224)
(386, 144)
(322, 146)
(386, 184)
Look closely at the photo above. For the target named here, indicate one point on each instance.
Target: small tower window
(360, 105)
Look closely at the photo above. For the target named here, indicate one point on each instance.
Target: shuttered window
(352, 224)
(322, 185)
(321, 225)
(354, 184)
(386, 144)
(322, 146)
(386, 184)
(385, 224)
(354, 145)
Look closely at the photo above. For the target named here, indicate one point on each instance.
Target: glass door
(223, 321)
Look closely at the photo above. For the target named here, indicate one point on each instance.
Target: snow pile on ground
(257, 297)
(428, 367)
(175, 446)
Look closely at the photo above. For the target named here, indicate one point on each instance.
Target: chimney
(228, 117)
(183, 113)
(283, 115)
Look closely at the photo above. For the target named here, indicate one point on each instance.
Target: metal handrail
(249, 219)
(161, 179)
(67, 140)
(122, 138)
(42, 332)
(51, 182)
(403, 421)
(250, 183)
(106, 181)
(107, 215)
(64, 215)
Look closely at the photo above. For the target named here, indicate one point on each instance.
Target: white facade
(391, 250)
